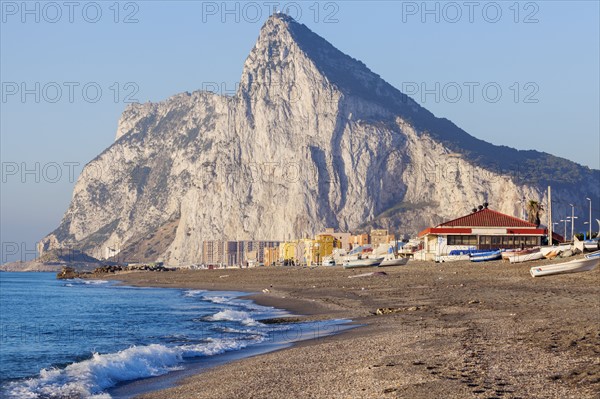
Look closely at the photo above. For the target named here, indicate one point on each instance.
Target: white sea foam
(89, 378)
(234, 315)
(80, 281)
(194, 293)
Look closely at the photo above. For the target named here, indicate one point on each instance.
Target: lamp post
(551, 238)
(572, 221)
(590, 220)
(565, 236)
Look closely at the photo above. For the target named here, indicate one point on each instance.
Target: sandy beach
(456, 330)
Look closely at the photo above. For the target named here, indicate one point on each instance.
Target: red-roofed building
(483, 229)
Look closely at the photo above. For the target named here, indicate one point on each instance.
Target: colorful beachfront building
(482, 229)
(294, 252)
(359, 240)
(342, 237)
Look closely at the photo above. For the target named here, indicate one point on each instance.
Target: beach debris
(380, 274)
(473, 301)
(224, 276)
(266, 290)
(382, 311)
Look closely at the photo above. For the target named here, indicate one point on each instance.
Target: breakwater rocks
(68, 272)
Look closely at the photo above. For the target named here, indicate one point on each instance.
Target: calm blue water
(79, 338)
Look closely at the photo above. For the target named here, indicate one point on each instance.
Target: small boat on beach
(587, 263)
(363, 262)
(592, 245)
(508, 253)
(393, 260)
(486, 256)
(453, 258)
(519, 258)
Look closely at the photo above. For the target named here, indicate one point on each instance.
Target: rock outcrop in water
(312, 138)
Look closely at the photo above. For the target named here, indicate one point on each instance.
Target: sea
(98, 339)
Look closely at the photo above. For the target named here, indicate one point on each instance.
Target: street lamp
(590, 235)
(565, 236)
(572, 221)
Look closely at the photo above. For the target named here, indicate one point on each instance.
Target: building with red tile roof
(482, 229)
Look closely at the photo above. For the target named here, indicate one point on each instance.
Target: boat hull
(526, 258)
(573, 266)
(359, 263)
(506, 255)
(394, 262)
(453, 258)
(486, 256)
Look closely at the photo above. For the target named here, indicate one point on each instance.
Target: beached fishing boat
(486, 256)
(453, 258)
(508, 253)
(585, 264)
(519, 258)
(592, 245)
(364, 262)
(393, 260)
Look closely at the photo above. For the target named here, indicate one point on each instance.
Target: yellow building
(294, 252)
(344, 238)
(322, 246)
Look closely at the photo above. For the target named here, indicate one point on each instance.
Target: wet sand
(457, 330)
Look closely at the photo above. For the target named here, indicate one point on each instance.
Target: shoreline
(454, 330)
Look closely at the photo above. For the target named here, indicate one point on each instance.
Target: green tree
(534, 211)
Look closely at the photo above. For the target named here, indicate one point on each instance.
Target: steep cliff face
(311, 139)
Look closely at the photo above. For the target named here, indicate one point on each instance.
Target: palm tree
(534, 210)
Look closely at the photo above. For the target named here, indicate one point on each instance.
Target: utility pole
(565, 235)
(550, 224)
(590, 235)
(572, 222)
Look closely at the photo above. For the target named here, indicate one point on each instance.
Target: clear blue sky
(550, 49)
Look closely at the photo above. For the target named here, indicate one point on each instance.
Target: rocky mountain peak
(281, 35)
(312, 139)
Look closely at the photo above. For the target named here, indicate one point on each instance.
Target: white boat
(328, 261)
(508, 253)
(453, 258)
(574, 266)
(393, 260)
(593, 255)
(363, 262)
(518, 258)
(486, 256)
(592, 245)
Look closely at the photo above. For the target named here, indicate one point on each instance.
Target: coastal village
(482, 235)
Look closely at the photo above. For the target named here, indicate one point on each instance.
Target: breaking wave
(89, 378)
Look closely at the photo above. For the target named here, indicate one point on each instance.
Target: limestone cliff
(311, 139)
